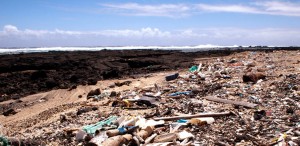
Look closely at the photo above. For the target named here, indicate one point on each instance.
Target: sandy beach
(41, 87)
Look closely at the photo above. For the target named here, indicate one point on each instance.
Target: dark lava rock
(92, 81)
(9, 112)
(172, 77)
(29, 73)
(253, 77)
(73, 87)
(62, 118)
(94, 92)
(112, 86)
(38, 75)
(113, 94)
(15, 96)
(119, 84)
(85, 110)
(259, 114)
(50, 83)
(74, 78)
(290, 110)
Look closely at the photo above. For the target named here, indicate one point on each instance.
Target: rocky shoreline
(25, 74)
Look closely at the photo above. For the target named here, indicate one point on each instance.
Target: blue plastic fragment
(125, 129)
(182, 121)
(180, 93)
(122, 130)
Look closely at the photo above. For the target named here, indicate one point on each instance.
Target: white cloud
(227, 8)
(144, 32)
(166, 10)
(265, 7)
(11, 36)
(181, 10)
(10, 29)
(280, 8)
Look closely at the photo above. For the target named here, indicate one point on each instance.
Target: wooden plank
(195, 116)
(241, 103)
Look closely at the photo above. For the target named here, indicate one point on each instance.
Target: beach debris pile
(225, 102)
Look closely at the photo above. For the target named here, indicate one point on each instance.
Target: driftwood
(195, 116)
(241, 103)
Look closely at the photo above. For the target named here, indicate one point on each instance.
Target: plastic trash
(182, 121)
(165, 137)
(202, 76)
(175, 126)
(91, 129)
(199, 67)
(3, 141)
(143, 123)
(172, 77)
(184, 135)
(201, 121)
(193, 68)
(254, 99)
(119, 131)
(98, 139)
(180, 93)
(130, 122)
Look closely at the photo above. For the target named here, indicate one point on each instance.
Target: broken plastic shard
(184, 135)
(91, 129)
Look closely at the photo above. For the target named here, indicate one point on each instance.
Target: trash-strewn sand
(38, 114)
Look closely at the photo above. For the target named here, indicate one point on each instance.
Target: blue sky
(43, 23)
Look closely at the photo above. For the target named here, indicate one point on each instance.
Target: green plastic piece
(3, 141)
(193, 68)
(91, 129)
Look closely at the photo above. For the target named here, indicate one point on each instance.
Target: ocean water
(47, 49)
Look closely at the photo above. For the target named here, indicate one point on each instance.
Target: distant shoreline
(4, 51)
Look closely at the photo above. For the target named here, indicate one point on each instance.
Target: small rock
(253, 77)
(113, 94)
(259, 114)
(15, 96)
(19, 101)
(73, 87)
(62, 118)
(172, 77)
(94, 92)
(119, 84)
(297, 133)
(85, 110)
(232, 60)
(92, 81)
(112, 86)
(290, 110)
(9, 112)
